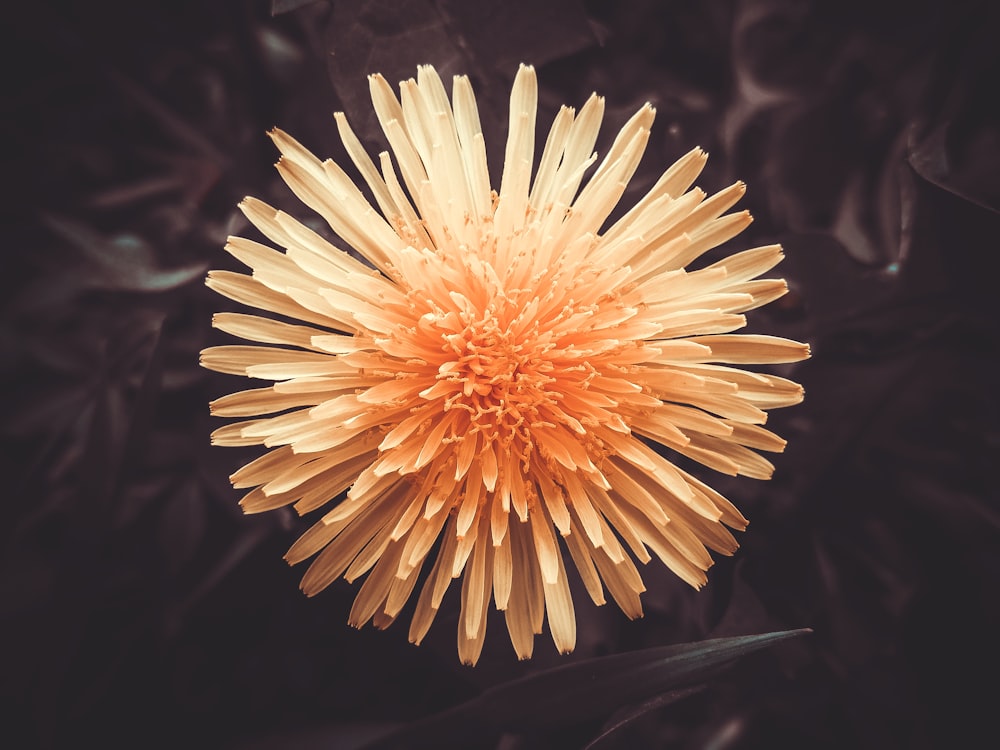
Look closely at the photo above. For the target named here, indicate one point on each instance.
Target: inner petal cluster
(505, 390)
(499, 377)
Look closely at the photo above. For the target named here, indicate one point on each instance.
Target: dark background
(140, 608)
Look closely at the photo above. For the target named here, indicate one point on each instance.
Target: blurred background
(140, 608)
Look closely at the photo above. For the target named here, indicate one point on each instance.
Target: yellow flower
(494, 373)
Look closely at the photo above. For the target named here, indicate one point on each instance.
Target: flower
(493, 372)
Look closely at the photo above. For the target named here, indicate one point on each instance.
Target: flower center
(498, 375)
(489, 360)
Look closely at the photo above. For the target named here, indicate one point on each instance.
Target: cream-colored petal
(514, 183)
(552, 153)
(580, 552)
(249, 291)
(560, 612)
(261, 401)
(753, 349)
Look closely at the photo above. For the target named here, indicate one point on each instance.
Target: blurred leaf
(501, 35)
(142, 412)
(281, 55)
(182, 526)
(850, 225)
(582, 691)
(173, 124)
(286, 6)
(97, 464)
(604, 738)
(124, 263)
(127, 249)
(51, 414)
(970, 174)
(225, 563)
(955, 143)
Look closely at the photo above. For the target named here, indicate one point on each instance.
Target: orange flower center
(499, 376)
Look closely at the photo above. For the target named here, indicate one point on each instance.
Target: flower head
(492, 374)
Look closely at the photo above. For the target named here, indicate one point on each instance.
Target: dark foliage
(140, 608)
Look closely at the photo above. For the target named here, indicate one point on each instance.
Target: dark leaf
(56, 411)
(582, 691)
(124, 263)
(577, 691)
(970, 174)
(95, 248)
(225, 563)
(143, 407)
(173, 124)
(604, 739)
(955, 143)
(98, 462)
(286, 6)
(182, 526)
(501, 35)
(281, 56)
